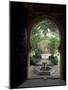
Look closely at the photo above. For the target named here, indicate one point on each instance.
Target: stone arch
(41, 18)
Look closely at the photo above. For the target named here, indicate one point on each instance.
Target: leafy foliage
(53, 45)
(40, 30)
(35, 58)
(53, 59)
(44, 33)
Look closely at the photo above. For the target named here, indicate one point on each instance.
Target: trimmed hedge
(34, 60)
(54, 60)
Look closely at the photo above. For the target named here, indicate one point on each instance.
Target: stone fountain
(44, 69)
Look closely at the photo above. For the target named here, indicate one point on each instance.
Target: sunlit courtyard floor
(54, 72)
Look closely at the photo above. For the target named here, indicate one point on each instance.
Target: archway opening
(44, 57)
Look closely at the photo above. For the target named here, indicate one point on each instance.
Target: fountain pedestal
(44, 70)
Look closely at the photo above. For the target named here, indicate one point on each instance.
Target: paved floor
(33, 73)
(42, 83)
(55, 72)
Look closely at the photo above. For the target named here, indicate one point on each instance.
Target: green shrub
(54, 60)
(34, 60)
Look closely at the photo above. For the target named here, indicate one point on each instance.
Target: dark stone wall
(18, 44)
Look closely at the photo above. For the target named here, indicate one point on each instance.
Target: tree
(53, 45)
(44, 33)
